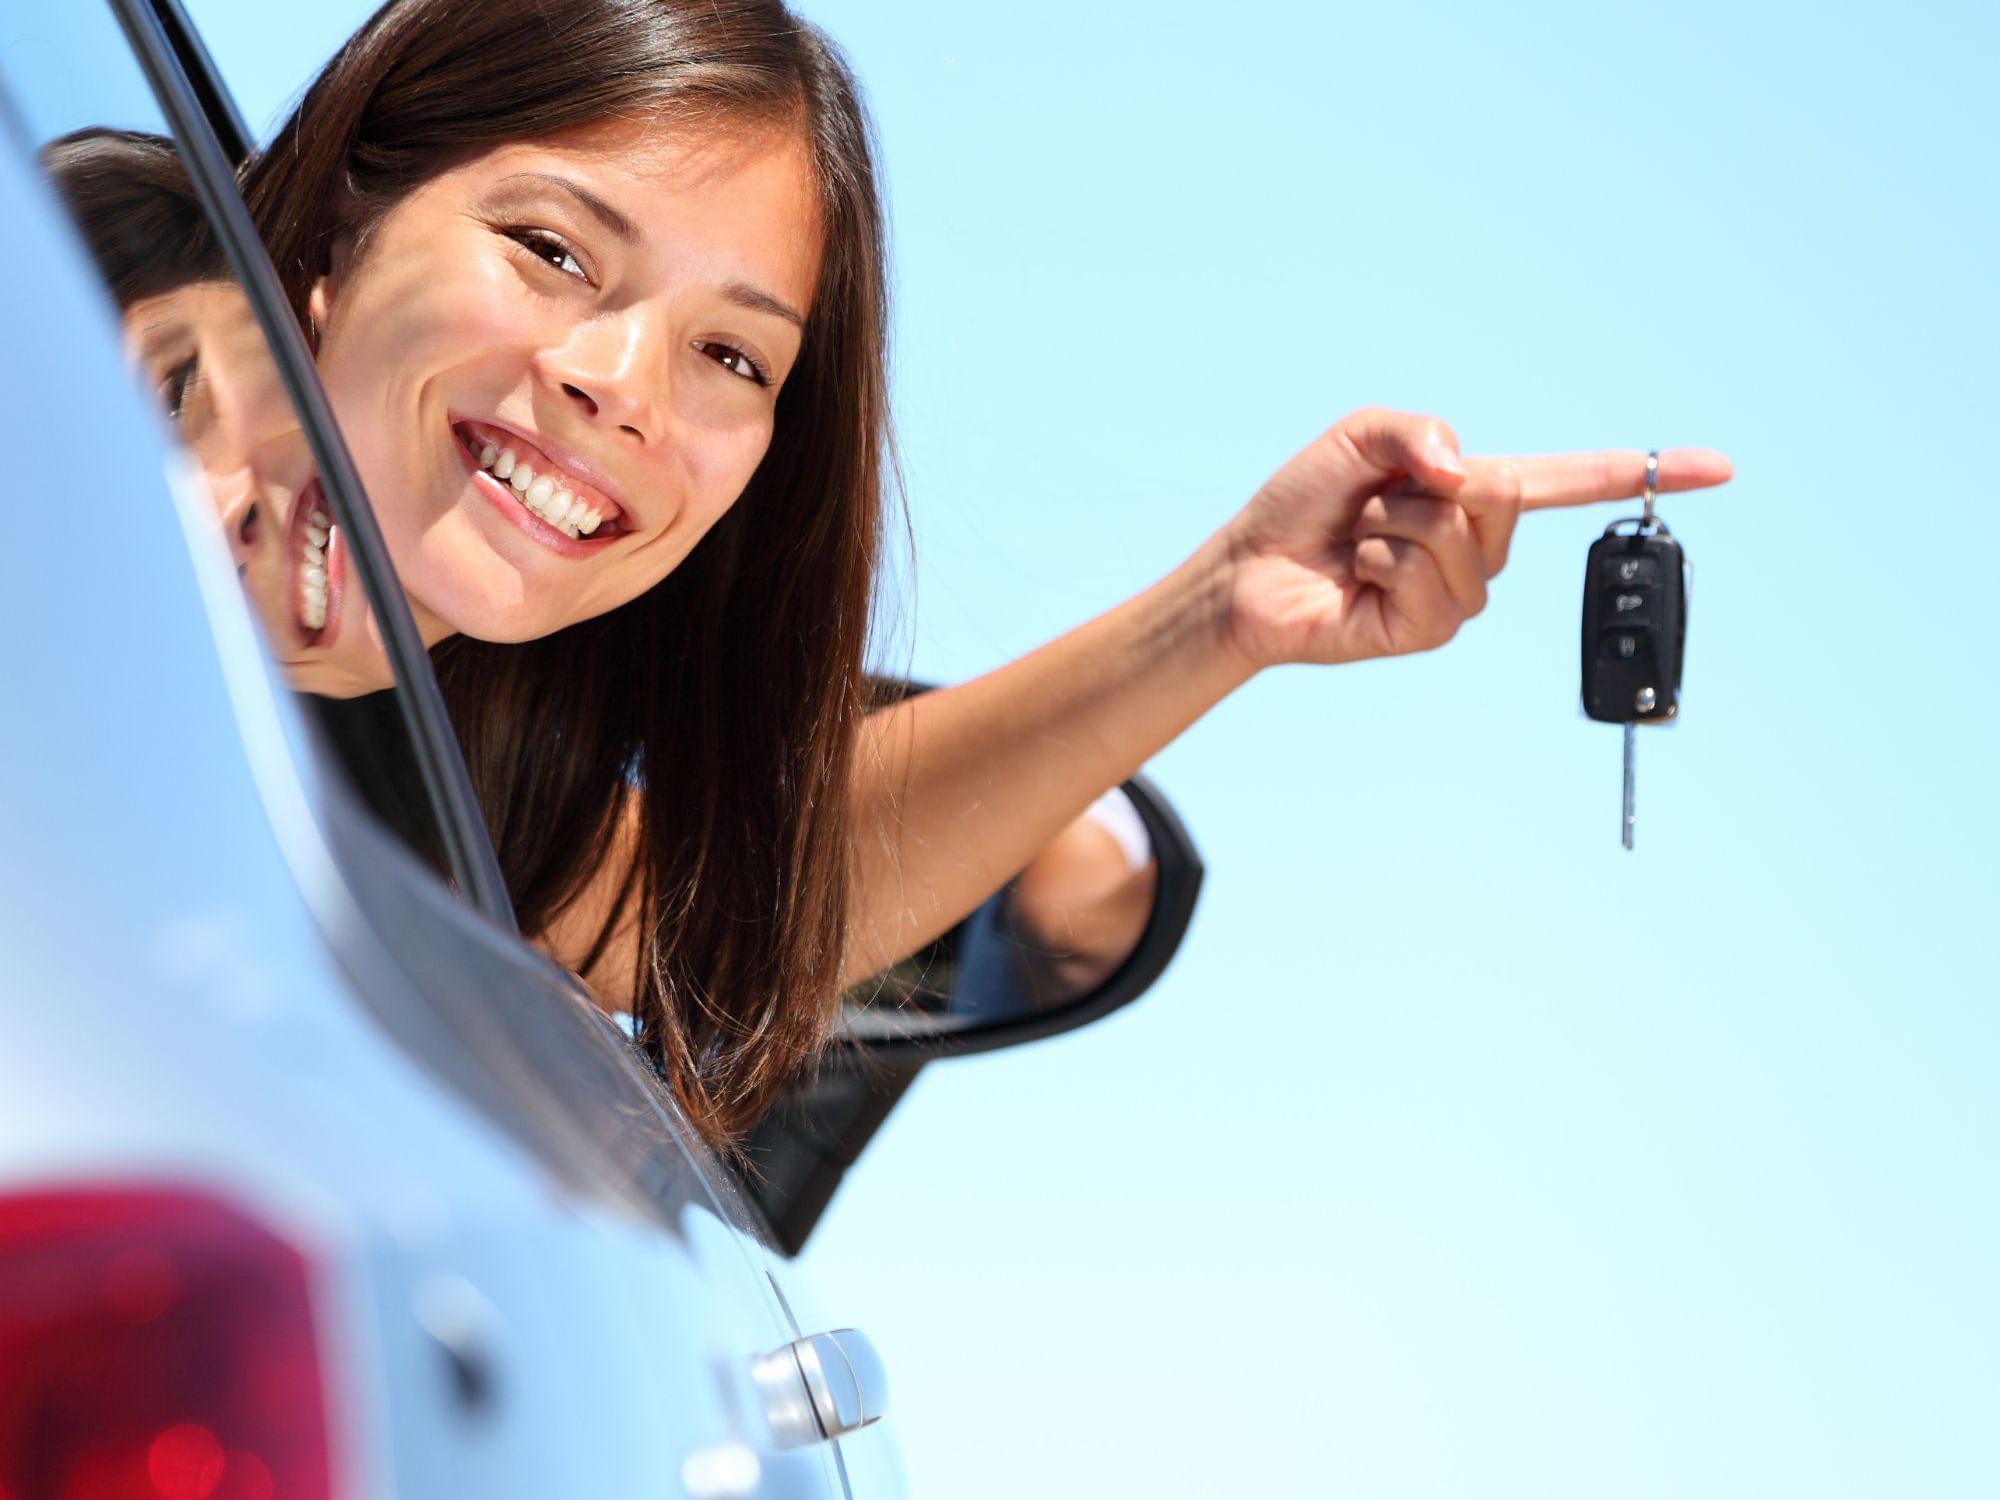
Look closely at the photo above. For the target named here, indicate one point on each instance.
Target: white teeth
(312, 579)
(540, 493)
(320, 518)
(551, 504)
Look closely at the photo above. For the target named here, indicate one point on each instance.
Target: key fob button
(1633, 606)
(1632, 568)
(1624, 645)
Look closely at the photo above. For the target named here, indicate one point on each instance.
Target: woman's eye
(173, 386)
(736, 361)
(550, 248)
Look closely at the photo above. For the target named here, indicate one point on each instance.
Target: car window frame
(170, 54)
(218, 105)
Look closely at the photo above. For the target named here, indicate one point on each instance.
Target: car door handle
(821, 1387)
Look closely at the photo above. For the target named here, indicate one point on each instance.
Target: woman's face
(557, 365)
(202, 351)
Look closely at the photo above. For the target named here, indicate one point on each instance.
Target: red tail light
(154, 1345)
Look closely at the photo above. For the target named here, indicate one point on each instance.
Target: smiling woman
(606, 339)
(647, 274)
(600, 324)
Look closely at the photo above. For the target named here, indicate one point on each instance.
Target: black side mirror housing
(797, 1156)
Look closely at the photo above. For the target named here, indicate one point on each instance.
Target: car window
(495, 1020)
(195, 345)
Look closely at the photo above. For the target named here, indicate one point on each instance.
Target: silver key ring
(1652, 483)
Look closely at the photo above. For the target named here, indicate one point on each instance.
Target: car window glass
(195, 345)
(489, 1017)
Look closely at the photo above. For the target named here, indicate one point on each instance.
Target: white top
(1115, 814)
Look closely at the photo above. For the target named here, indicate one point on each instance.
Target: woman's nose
(594, 408)
(239, 506)
(614, 370)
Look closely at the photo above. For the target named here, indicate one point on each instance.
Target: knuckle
(1438, 629)
(1373, 554)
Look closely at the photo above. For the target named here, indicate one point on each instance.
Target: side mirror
(1087, 929)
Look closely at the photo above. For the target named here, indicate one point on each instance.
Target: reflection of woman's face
(201, 349)
(558, 363)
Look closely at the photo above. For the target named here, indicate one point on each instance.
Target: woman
(191, 333)
(597, 292)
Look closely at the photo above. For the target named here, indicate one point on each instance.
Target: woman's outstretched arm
(1378, 539)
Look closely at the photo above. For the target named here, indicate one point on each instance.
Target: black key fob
(1634, 624)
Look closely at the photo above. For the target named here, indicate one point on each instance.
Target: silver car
(315, 1179)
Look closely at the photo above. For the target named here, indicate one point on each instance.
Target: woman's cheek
(487, 307)
(716, 481)
(413, 311)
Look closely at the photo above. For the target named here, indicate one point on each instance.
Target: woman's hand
(1379, 538)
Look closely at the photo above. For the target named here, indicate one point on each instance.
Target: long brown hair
(136, 210)
(730, 692)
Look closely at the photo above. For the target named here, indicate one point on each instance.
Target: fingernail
(1443, 458)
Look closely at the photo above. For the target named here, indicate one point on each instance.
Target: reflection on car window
(501, 1026)
(195, 344)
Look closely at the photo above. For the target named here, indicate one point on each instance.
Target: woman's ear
(325, 291)
(316, 309)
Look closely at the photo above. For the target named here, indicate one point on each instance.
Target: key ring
(1648, 524)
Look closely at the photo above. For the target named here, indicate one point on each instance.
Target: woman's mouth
(315, 571)
(535, 492)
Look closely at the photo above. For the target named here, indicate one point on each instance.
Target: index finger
(1552, 479)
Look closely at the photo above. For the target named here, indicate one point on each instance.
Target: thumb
(1399, 442)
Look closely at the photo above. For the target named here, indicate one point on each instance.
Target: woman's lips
(509, 503)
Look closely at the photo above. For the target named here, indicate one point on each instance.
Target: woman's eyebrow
(745, 295)
(159, 331)
(611, 219)
(740, 292)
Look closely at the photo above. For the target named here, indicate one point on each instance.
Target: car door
(436, 964)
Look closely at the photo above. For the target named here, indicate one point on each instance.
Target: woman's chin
(352, 666)
(323, 681)
(463, 584)
(481, 618)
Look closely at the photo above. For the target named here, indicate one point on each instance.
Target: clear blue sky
(1461, 1153)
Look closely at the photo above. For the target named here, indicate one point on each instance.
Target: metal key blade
(1625, 826)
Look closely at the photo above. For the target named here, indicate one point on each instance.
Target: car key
(1635, 592)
